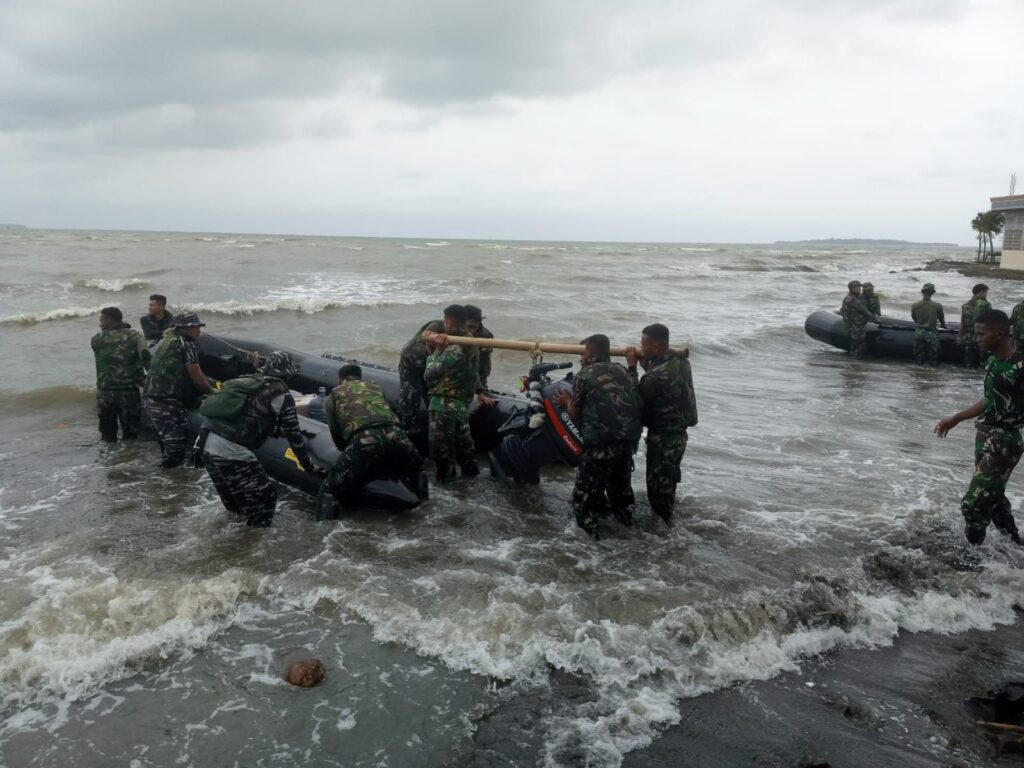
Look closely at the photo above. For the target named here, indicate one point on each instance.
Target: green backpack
(239, 412)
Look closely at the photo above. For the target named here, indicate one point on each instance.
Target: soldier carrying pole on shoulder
(668, 407)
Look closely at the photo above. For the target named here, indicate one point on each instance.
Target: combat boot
(470, 468)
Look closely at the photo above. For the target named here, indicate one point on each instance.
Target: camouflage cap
(927, 288)
(188, 320)
(278, 364)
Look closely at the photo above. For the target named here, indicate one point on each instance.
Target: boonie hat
(188, 320)
(927, 288)
(474, 313)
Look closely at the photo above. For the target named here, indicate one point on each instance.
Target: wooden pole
(536, 347)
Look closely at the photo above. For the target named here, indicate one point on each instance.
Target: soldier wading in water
(239, 418)
(606, 405)
(856, 315)
(452, 374)
(668, 406)
(174, 384)
(367, 433)
(997, 445)
(927, 314)
(121, 357)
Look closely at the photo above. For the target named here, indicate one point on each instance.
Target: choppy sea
(140, 625)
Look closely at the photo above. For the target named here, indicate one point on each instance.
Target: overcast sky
(727, 120)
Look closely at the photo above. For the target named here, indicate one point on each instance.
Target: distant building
(1012, 208)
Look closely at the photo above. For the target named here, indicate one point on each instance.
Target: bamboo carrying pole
(536, 347)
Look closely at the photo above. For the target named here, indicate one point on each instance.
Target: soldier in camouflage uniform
(968, 317)
(927, 314)
(998, 445)
(668, 407)
(121, 357)
(870, 299)
(452, 374)
(157, 320)
(606, 403)
(1017, 324)
(367, 433)
(174, 384)
(856, 316)
(413, 388)
(475, 326)
(241, 482)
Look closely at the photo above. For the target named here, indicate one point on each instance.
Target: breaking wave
(308, 305)
(63, 313)
(115, 284)
(83, 627)
(636, 667)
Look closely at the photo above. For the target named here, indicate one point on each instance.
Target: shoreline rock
(972, 269)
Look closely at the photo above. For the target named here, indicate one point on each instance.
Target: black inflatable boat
(519, 433)
(893, 337)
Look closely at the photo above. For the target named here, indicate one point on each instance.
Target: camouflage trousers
(664, 454)
(996, 453)
(451, 442)
(383, 451)
(170, 420)
(858, 340)
(244, 487)
(926, 346)
(603, 477)
(972, 352)
(410, 406)
(119, 405)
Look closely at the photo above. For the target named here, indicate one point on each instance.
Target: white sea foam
(309, 305)
(639, 671)
(84, 626)
(42, 316)
(115, 284)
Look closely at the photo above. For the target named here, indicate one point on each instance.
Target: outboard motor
(540, 434)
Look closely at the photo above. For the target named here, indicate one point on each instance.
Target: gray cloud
(67, 63)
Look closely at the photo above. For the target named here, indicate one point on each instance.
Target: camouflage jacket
(927, 314)
(854, 312)
(453, 372)
(1017, 321)
(485, 359)
(168, 377)
(356, 405)
(413, 359)
(1004, 393)
(667, 400)
(609, 404)
(121, 357)
(152, 328)
(872, 303)
(969, 313)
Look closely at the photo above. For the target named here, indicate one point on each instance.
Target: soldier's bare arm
(199, 380)
(972, 412)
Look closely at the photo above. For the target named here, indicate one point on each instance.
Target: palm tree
(994, 223)
(978, 225)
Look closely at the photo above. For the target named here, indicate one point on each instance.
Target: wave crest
(63, 313)
(116, 284)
